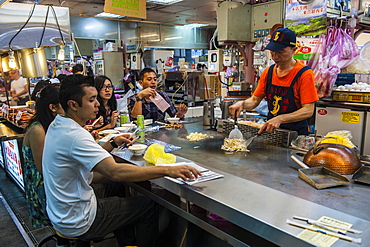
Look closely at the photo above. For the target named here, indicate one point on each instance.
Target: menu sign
(132, 8)
(13, 160)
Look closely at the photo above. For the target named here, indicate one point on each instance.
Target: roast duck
(335, 157)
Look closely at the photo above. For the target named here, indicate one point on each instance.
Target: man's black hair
(146, 70)
(77, 68)
(72, 89)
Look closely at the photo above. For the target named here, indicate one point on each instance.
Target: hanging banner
(132, 8)
(306, 17)
(306, 46)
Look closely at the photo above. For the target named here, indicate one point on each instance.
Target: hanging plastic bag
(155, 154)
(334, 51)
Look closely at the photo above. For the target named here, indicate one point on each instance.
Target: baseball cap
(281, 38)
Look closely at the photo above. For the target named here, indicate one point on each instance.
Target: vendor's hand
(15, 98)
(272, 124)
(147, 92)
(181, 110)
(236, 108)
(113, 119)
(185, 172)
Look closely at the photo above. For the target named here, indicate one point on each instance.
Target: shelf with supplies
(183, 86)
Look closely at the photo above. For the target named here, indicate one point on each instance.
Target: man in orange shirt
(288, 86)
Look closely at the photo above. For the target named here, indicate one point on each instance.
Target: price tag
(18, 116)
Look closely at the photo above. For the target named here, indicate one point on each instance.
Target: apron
(280, 100)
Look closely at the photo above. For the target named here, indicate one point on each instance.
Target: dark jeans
(23, 101)
(126, 217)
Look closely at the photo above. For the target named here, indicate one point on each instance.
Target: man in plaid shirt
(142, 103)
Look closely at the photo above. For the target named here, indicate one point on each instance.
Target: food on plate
(234, 145)
(173, 126)
(195, 136)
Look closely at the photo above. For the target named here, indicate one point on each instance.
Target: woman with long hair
(108, 103)
(47, 107)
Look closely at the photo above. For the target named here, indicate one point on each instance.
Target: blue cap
(281, 38)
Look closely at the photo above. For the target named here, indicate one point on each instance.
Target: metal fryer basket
(281, 137)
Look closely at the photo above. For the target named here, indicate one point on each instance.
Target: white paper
(206, 174)
(160, 102)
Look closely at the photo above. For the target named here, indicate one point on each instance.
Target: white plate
(110, 131)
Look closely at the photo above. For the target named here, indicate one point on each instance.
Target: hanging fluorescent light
(165, 2)
(61, 55)
(109, 15)
(171, 38)
(11, 60)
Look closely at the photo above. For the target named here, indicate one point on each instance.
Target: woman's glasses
(109, 87)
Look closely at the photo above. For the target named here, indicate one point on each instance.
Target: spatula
(235, 133)
(249, 141)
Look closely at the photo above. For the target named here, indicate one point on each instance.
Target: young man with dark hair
(142, 103)
(73, 163)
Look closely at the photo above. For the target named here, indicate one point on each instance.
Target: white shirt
(18, 86)
(70, 154)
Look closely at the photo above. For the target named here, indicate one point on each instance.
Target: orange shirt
(304, 89)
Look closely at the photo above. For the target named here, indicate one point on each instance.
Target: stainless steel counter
(260, 189)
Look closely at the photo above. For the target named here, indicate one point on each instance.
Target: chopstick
(128, 144)
(96, 120)
(333, 234)
(326, 225)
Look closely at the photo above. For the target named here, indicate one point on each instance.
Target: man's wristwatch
(138, 99)
(113, 143)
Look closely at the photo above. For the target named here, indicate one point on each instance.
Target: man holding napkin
(150, 103)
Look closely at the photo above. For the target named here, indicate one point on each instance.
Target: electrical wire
(226, 84)
(29, 17)
(173, 95)
(43, 30)
(56, 20)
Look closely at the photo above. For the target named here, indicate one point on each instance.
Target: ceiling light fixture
(164, 2)
(61, 54)
(109, 15)
(194, 25)
(11, 60)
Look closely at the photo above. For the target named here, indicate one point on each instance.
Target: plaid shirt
(150, 110)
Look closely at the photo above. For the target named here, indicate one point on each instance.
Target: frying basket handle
(299, 162)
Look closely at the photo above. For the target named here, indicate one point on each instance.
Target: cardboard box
(212, 85)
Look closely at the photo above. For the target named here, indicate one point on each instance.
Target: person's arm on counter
(117, 141)
(131, 173)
